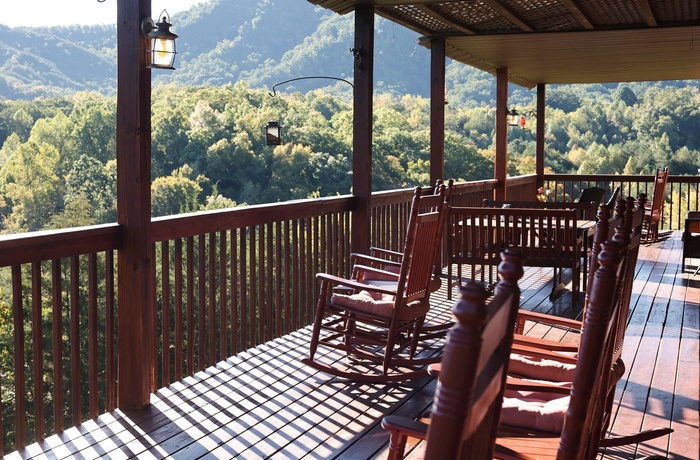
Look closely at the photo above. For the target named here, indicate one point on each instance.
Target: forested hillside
(57, 161)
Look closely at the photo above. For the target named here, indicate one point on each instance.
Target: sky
(68, 12)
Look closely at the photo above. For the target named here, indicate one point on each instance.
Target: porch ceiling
(557, 41)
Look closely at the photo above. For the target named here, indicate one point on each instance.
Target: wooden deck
(265, 404)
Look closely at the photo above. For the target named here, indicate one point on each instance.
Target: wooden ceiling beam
(647, 13)
(506, 13)
(430, 11)
(578, 14)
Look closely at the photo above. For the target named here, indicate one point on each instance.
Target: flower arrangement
(542, 194)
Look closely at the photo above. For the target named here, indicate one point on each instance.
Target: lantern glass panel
(273, 135)
(163, 54)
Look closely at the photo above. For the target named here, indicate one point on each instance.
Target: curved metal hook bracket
(274, 92)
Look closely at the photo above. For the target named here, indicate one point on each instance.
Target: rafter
(506, 13)
(580, 15)
(431, 11)
(647, 13)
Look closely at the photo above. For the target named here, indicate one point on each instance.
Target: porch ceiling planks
(558, 41)
(265, 403)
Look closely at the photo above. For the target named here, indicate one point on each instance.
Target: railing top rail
(199, 223)
(31, 247)
(687, 179)
(526, 179)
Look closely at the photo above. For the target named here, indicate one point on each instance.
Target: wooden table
(554, 238)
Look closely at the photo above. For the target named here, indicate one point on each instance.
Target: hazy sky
(67, 12)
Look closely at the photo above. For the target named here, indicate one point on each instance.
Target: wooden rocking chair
(468, 398)
(381, 324)
(587, 410)
(655, 209)
(456, 406)
(553, 361)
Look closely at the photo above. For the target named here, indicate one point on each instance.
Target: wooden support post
(539, 153)
(362, 126)
(135, 291)
(500, 167)
(437, 109)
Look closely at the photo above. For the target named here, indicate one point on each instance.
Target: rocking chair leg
(349, 326)
(397, 446)
(389, 350)
(417, 328)
(320, 307)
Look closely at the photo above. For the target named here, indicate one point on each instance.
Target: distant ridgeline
(225, 42)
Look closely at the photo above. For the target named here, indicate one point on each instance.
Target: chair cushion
(534, 411)
(541, 369)
(380, 304)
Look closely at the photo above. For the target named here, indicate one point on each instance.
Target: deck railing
(682, 192)
(58, 324)
(224, 281)
(230, 280)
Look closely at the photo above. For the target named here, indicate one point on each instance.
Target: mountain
(221, 41)
(262, 42)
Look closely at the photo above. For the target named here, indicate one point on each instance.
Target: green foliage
(177, 193)
(57, 164)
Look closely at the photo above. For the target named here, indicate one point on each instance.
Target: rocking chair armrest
(518, 384)
(364, 258)
(524, 315)
(325, 277)
(544, 343)
(378, 252)
(405, 426)
(377, 271)
(538, 352)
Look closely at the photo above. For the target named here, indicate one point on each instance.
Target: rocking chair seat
(379, 304)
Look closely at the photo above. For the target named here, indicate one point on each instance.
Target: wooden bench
(547, 238)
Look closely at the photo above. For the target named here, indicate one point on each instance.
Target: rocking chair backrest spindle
(426, 225)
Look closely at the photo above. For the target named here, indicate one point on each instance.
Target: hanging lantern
(161, 49)
(512, 117)
(273, 133)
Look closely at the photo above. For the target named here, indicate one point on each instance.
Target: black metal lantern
(512, 117)
(161, 52)
(273, 133)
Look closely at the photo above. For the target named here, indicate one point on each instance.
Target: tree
(30, 186)
(176, 193)
(626, 95)
(96, 183)
(94, 119)
(464, 161)
(564, 99)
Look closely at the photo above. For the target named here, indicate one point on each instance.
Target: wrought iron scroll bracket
(274, 91)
